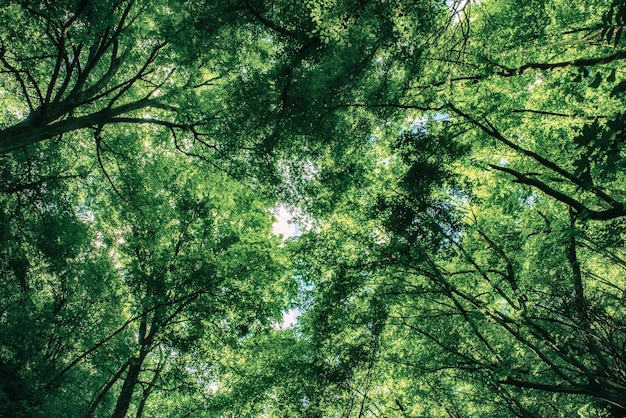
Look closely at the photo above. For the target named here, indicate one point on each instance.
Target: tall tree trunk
(131, 380)
(134, 369)
(30, 131)
(94, 405)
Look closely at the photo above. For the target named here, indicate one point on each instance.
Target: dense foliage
(458, 171)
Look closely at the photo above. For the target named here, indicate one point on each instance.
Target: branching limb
(580, 208)
(581, 62)
(488, 128)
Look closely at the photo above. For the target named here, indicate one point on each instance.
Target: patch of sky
(290, 319)
(504, 306)
(291, 221)
(458, 8)
(538, 81)
(84, 214)
(285, 224)
(286, 227)
(530, 200)
(419, 124)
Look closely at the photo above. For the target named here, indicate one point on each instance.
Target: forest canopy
(455, 171)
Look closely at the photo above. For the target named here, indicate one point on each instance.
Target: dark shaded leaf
(596, 81)
(620, 88)
(611, 77)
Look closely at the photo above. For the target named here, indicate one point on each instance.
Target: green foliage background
(456, 169)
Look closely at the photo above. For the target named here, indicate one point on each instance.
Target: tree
(204, 80)
(462, 162)
(60, 292)
(500, 264)
(217, 273)
(112, 295)
(91, 73)
(75, 65)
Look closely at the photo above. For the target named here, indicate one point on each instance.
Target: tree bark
(94, 405)
(132, 377)
(134, 369)
(30, 132)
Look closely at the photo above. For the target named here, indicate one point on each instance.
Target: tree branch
(581, 62)
(580, 209)
(489, 129)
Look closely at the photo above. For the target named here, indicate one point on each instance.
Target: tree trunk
(132, 377)
(134, 369)
(94, 405)
(30, 132)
